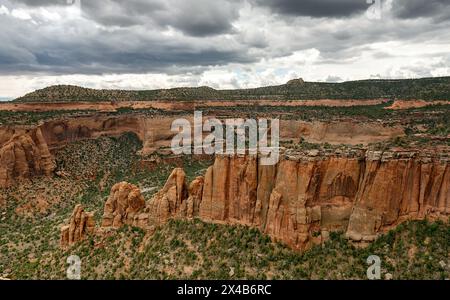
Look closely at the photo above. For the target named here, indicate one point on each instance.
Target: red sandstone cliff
(23, 154)
(25, 151)
(304, 197)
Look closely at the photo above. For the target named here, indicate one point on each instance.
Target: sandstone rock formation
(123, 205)
(126, 205)
(302, 198)
(298, 81)
(81, 223)
(360, 193)
(171, 200)
(23, 154)
(195, 197)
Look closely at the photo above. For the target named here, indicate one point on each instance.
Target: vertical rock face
(285, 201)
(360, 193)
(230, 178)
(170, 201)
(123, 205)
(23, 154)
(302, 198)
(393, 189)
(195, 197)
(81, 223)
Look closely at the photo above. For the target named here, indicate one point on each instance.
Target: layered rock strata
(302, 198)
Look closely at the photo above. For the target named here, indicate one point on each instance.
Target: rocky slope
(23, 154)
(300, 200)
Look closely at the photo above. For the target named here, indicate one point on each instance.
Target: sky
(149, 44)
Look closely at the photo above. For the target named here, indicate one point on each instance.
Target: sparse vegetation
(29, 230)
(437, 88)
(197, 250)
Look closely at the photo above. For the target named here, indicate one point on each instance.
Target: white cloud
(4, 10)
(20, 14)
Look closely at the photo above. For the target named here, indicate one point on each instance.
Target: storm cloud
(316, 8)
(222, 43)
(411, 9)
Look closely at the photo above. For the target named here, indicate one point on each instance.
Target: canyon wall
(155, 132)
(302, 198)
(25, 151)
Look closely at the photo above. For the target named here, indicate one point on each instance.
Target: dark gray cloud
(136, 45)
(192, 17)
(316, 8)
(180, 36)
(37, 3)
(81, 49)
(410, 9)
(332, 78)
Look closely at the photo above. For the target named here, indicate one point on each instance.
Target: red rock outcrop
(81, 223)
(284, 201)
(123, 206)
(23, 154)
(170, 201)
(126, 205)
(360, 193)
(305, 196)
(195, 197)
(398, 186)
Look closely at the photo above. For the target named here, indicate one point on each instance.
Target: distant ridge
(437, 88)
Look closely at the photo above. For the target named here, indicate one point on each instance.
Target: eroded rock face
(360, 193)
(195, 197)
(171, 201)
(302, 198)
(81, 224)
(23, 154)
(123, 205)
(393, 189)
(284, 201)
(126, 205)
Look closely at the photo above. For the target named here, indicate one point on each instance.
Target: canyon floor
(99, 181)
